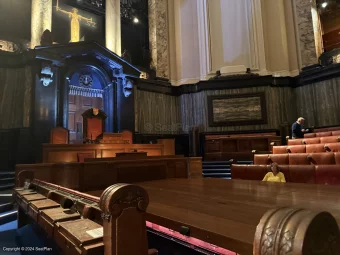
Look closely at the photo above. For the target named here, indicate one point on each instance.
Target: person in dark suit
(297, 129)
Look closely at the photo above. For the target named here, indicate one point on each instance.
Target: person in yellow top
(275, 175)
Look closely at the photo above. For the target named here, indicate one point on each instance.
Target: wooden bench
(90, 175)
(84, 224)
(239, 220)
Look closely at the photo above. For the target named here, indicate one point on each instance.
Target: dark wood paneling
(44, 109)
(181, 141)
(157, 113)
(16, 97)
(319, 103)
(15, 148)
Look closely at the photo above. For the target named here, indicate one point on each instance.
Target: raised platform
(55, 153)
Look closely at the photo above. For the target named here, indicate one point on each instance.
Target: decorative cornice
(219, 84)
(309, 76)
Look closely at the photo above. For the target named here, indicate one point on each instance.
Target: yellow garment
(270, 177)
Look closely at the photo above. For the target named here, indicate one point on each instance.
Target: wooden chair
(59, 135)
(93, 124)
(127, 136)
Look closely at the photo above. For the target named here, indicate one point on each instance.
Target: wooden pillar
(41, 19)
(123, 207)
(113, 26)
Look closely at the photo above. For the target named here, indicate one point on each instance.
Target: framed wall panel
(236, 110)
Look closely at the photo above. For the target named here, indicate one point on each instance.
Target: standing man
(297, 129)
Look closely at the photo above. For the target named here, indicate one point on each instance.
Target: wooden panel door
(77, 105)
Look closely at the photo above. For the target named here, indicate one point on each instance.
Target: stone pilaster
(113, 26)
(41, 19)
(306, 38)
(158, 34)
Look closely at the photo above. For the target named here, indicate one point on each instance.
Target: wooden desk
(218, 211)
(56, 153)
(238, 147)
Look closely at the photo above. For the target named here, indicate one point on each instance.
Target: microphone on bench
(326, 148)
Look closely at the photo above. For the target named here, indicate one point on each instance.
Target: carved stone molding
(46, 74)
(127, 87)
(286, 231)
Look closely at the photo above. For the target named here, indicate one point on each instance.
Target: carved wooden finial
(286, 231)
(123, 211)
(23, 176)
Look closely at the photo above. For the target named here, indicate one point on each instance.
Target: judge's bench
(97, 143)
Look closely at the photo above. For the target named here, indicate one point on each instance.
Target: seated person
(297, 129)
(275, 175)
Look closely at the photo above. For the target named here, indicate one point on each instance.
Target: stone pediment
(60, 53)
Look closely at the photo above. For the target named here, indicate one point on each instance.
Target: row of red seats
(321, 174)
(330, 158)
(310, 148)
(322, 134)
(315, 140)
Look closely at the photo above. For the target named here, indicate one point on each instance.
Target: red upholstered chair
(59, 135)
(279, 149)
(83, 156)
(315, 148)
(315, 140)
(298, 159)
(309, 135)
(332, 147)
(295, 141)
(337, 158)
(285, 170)
(330, 139)
(302, 174)
(333, 129)
(261, 159)
(281, 159)
(296, 148)
(323, 134)
(238, 171)
(328, 174)
(321, 158)
(93, 123)
(256, 172)
(336, 133)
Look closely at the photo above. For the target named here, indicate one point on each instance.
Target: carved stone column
(158, 36)
(113, 26)
(304, 20)
(41, 19)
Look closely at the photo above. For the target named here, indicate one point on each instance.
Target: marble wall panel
(158, 34)
(304, 21)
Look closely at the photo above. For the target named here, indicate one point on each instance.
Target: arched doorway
(87, 86)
